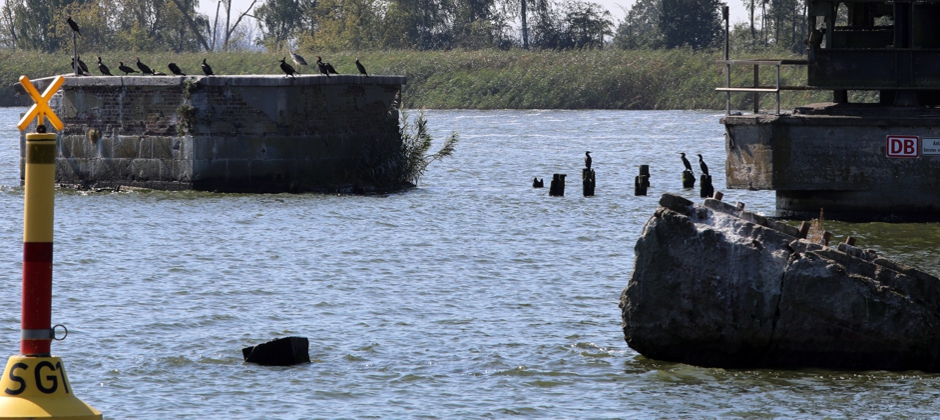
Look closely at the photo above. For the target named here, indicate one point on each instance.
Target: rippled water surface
(471, 296)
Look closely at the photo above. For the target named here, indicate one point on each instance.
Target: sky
(616, 8)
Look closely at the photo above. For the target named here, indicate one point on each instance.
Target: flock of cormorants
(324, 68)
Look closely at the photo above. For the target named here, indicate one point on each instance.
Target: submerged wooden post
(537, 183)
(557, 187)
(688, 179)
(705, 188)
(588, 181)
(804, 230)
(642, 181)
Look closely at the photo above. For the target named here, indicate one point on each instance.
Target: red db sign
(903, 147)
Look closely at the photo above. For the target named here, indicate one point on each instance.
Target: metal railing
(757, 89)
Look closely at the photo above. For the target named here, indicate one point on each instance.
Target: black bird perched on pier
(287, 68)
(175, 69)
(688, 166)
(322, 66)
(125, 69)
(701, 163)
(73, 25)
(206, 68)
(362, 69)
(81, 65)
(143, 67)
(157, 73)
(103, 68)
(329, 67)
(587, 160)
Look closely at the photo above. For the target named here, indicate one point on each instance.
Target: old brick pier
(252, 133)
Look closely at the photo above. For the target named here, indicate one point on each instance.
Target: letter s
(15, 378)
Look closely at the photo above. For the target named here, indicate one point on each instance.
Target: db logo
(903, 147)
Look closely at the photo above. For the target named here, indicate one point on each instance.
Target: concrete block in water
(280, 352)
(713, 288)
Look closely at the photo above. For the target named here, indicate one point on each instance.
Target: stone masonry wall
(238, 134)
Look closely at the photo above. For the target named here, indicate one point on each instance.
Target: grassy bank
(489, 79)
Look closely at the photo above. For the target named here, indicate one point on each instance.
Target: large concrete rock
(717, 286)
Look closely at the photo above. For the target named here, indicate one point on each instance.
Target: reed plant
(481, 79)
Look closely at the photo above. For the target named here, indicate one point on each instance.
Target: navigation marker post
(33, 384)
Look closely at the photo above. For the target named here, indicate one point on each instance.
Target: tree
(280, 20)
(696, 23)
(587, 24)
(640, 28)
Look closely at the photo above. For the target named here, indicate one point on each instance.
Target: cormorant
(81, 66)
(362, 70)
(688, 166)
(103, 68)
(143, 67)
(587, 160)
(157, 73)
(296, 58)
(287, 68)
(73, 25)
(701, 163)
(175, 69)
(125, 69)
(206, 68)
(330, 69)
(322, 67)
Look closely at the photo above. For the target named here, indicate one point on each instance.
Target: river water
(472, 296)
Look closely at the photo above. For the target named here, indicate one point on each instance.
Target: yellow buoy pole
(34, 384)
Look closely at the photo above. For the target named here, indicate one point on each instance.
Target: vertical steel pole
(76, 67)
(39, 198)
(725, 15)
(756, 85)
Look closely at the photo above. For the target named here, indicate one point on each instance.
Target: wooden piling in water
(557, 187)
(642, 181)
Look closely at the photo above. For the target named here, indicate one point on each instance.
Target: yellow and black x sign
(41, 108)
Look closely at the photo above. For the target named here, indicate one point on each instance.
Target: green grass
(483, 79)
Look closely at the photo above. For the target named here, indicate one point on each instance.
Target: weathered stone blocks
(239, 133)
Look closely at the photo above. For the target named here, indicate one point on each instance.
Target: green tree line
(355, 25)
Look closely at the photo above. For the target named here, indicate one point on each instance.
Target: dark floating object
(537, 183)
(206, 68)
(143, 67)
(557, 187)
(287, 68)
(73, 25)
(285, 351)
(587, 160)
(103, 68)
(362, 69)
(125, 69)
(175, 69)
(642, 181)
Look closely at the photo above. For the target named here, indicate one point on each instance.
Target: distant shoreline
(483, 79)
